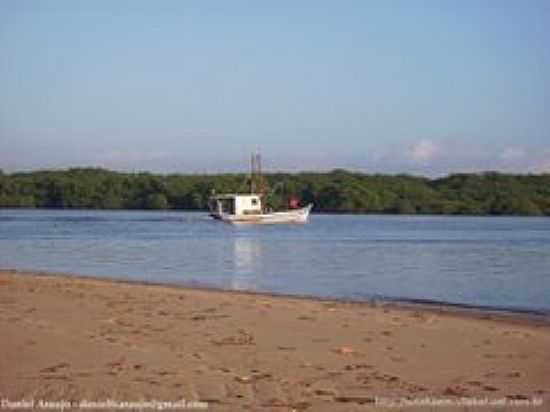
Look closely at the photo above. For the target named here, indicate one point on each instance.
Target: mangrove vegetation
(338, 191)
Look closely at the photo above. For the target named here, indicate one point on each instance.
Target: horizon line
(481, 172)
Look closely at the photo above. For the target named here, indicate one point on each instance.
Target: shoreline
(313, 212)
(80, 338)
(537, 316)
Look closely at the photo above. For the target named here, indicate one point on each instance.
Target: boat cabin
(236, 204)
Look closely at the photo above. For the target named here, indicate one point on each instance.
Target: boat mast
(252, 172)
(259, 170)
(256, 181)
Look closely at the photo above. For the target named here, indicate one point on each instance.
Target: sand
(74, 339)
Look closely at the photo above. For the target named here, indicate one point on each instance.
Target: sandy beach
(73, 339)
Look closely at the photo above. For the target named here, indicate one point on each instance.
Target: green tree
(156, 201)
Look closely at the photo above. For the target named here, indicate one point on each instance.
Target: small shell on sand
(345, 350)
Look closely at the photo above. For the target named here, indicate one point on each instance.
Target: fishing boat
(251, 207)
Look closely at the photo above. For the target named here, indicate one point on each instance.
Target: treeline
(339, 191)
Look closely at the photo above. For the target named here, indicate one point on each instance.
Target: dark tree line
(339, 191)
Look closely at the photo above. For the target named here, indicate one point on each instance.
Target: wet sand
(68, 338)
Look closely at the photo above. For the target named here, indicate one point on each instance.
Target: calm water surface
(492, 262)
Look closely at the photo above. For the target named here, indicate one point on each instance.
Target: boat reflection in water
(247, 258)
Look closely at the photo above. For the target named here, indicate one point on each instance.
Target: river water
(489, 262)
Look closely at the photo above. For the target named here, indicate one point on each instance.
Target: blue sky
(425, 87)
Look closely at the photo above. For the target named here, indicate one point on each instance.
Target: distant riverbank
(339, 191)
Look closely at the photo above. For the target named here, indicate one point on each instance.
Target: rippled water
(498, 262)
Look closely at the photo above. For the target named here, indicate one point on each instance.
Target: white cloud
(543, 163)
(513, 153)
(424, 150)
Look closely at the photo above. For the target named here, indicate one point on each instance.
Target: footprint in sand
(455, 390)
(518, 397)
(55, 368)
(359, 399)
(387, 378)
(115, 366)
(213, 392)
(147, 380)
(489, 388)
(52, 370)
(269, 394)
(243, 338)
(323, 393)
(57, 377)
(519, 356)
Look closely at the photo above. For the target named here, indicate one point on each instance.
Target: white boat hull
(289, 216)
